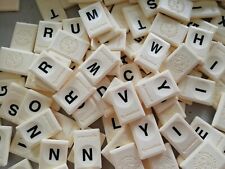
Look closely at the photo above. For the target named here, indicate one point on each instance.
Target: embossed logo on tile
(204, 160)
(176, 5)
(68, 44)
(169, 29)
(129, 163)
(23, 37)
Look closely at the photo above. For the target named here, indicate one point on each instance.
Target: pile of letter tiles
(132, 64)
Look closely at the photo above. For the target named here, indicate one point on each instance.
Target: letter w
(155, 47)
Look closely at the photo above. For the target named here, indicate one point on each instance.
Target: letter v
(124, 98)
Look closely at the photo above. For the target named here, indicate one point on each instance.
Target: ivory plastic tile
(71, 154)
(165, 160)
(113, 33)
(199, 41)
(15, 61)
(221, 146)
(180, 134)
(95, 19)
(74, 93)
(169, 29)
(53, 153)
(117, 13)
(197, 89)
(178, 9)
(218, 120)
(126, 157)
(207, 132)
(69, 45)
(24, 36)
(35, 83)
(115, 82)
(113, 2)
(147, 137)
(99, 64)
(25, 164)
(138, 24)
(9, 5)
(20, 148)
(46, 32)
(220, 86)
(133, 45)
(51, 10)
(123, 137)
(126, 103)
(223, 77)
(5, 135)
(111, 126)
(213, 64)
(153, 52)
(101, 88)
(33, 103)
(219, 21)
(155, 89)
(75, 26)
(64, 166)
(87, 149)
(49, 70)
(130, 72)
(200, 23)
(205, 156)
(181, 62)
(87, 113)
(68, 126)
(168, 112)
(205, 9)
(43, 125)
(63, 60)
(165, 104)
(5, 80)
(119, 42)
(149, 8)
(12, 102)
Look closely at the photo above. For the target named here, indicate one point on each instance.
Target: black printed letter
(73, 30)
(144, 129)
(13, 109)
(90, 157)
(155, 47)
(94, 68)
(48, 31)
(34, 131)
(124, 98)
(52, 152)
(69, 98)
(43, 66)
(197, 38)
(53, 14)
(125, 75)
(34, 108)
(93, 15)
(163, 86)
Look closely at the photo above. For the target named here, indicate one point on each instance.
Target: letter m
(94, 68)
(92, 15)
